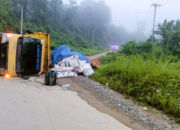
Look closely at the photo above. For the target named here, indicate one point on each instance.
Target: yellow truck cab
(24, 55)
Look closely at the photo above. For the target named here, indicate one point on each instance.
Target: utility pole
(22, 11)
(154, 20)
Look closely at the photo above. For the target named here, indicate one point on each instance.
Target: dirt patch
(127, 111)
(91, 98)
(95, 63)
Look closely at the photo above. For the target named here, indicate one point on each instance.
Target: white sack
(62, 69)
(72, 61)
(87, 71)
(66, 74)
(66, 67)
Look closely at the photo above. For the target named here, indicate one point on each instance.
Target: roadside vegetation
(148, 71)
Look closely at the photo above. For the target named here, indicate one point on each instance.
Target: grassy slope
(152, 82)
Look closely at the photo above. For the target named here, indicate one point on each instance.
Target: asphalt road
(29, 105)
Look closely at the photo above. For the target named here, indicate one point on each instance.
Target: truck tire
(50, 78)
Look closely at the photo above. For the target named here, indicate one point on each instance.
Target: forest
(85, 27)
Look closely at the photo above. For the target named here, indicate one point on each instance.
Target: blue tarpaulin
(62, 52)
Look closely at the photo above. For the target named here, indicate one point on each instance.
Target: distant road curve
(97, 56)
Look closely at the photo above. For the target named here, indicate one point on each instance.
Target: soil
(100, 105)
(88, 90)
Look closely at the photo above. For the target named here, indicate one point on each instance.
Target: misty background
(137, 15)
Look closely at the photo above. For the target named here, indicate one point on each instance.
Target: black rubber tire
(46, 81)
(50, 78)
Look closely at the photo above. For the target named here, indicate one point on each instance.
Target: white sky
(131, 13)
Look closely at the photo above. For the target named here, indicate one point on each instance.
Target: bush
(149, 50)
(131, 48)
(110, 57)
(153, 82)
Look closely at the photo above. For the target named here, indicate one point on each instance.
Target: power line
(155, 5)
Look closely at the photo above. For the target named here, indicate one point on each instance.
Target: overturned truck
(27, 54)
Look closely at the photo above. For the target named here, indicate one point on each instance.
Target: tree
(170, 33)
(93, 17)
(54, 12)
(163, 30)
(83, 25)
(6, 17)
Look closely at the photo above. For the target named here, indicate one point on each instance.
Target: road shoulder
(126, 111)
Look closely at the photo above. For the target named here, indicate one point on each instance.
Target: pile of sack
(70, 64)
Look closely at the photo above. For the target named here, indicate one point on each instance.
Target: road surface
(97, 56)
(29, 105)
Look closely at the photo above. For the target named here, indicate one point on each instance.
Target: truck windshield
(31, 52)
(3, 55)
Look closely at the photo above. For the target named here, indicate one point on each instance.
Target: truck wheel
(47, 78)
(50, 78)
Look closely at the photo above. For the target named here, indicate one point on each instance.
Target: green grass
(153, 82)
